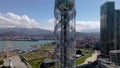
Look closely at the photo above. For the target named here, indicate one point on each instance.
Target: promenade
(15, 61)
(92, 58)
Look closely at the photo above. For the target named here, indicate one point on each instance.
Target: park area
(36, 58)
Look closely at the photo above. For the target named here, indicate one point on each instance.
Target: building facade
(117, 29)
(107, 27)
(115, 56)
(110, 28)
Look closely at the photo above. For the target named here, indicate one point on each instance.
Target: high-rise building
(110, 28)
(117, 29)
(115, 56)
(107, 27)
(109, 36)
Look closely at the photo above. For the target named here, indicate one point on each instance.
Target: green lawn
(47, 47)
(39, 56)
(35, 58)
(82, 59)
(1, 61)
(35, 64)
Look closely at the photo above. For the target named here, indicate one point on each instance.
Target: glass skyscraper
(110, 28)
(117, 29)
(107, 27)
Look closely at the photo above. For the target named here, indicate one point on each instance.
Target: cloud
(84, 26)
(9, 20)
(88, 26)
(51, 20)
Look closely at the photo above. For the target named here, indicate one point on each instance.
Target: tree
(78, 52)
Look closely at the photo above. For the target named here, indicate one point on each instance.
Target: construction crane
(65, 13)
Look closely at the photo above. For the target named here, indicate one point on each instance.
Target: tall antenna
(65, 13)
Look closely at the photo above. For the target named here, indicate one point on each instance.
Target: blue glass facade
(117, 29)
(110, 28)
(107, 27)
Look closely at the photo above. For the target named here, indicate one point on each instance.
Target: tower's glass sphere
(65, 5)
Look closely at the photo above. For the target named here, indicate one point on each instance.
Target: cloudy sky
(39, 13)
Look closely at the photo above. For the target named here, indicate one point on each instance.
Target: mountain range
(37, 32)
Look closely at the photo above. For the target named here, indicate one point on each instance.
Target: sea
(22, 45)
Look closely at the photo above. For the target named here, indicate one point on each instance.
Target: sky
(40, 14)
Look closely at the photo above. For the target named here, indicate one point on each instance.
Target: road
(15, 61)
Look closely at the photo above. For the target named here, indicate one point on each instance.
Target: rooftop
(115, 51)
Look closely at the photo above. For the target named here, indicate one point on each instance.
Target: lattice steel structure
(65, 13)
